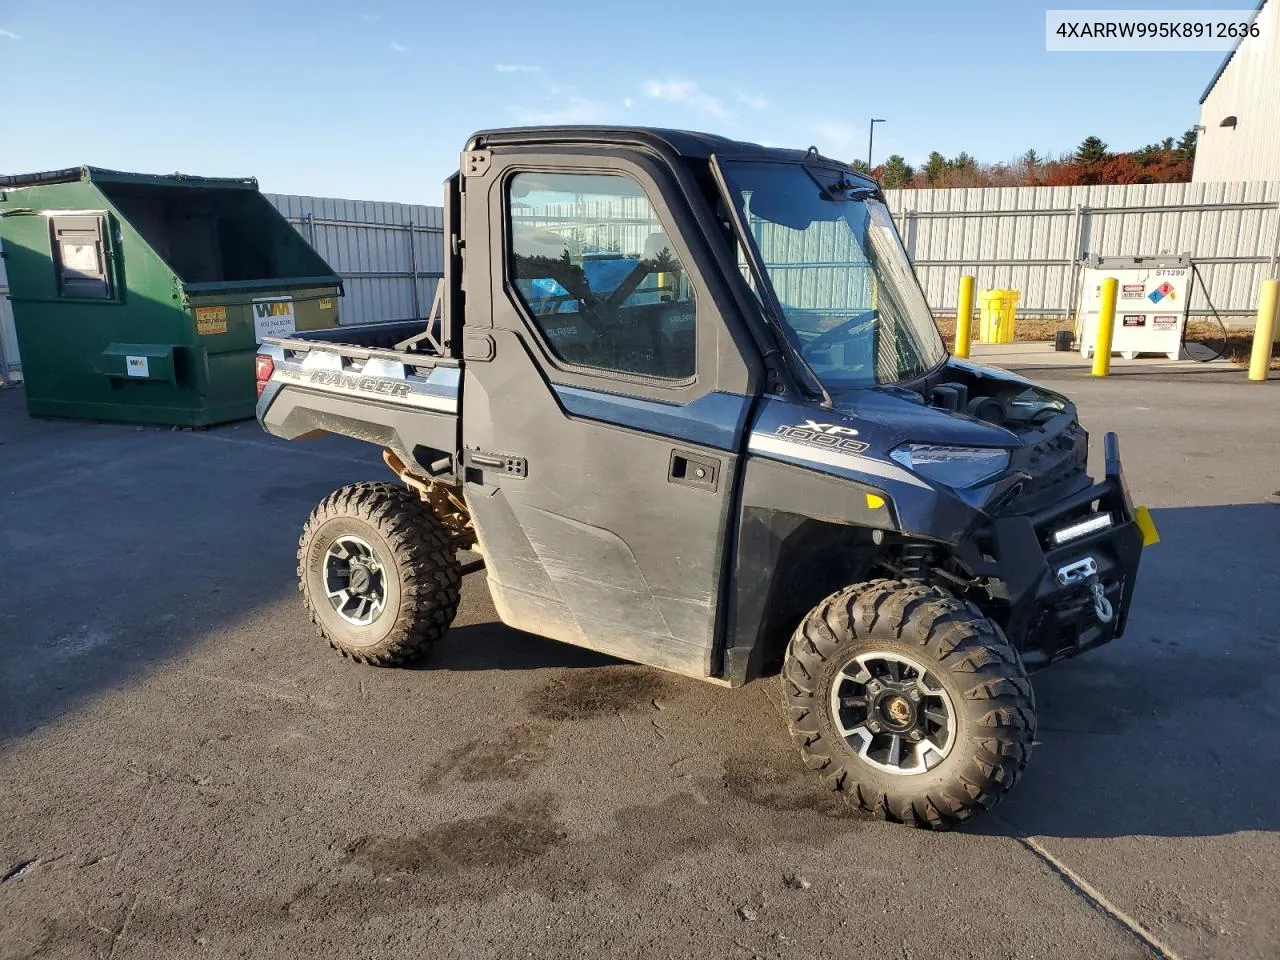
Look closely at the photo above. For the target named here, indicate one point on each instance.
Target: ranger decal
(385, 388)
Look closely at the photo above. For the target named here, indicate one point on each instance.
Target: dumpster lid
(269, 284)
(102, 175)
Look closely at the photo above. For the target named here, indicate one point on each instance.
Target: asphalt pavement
(187, 771)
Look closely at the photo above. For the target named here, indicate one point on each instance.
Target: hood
(896, 417)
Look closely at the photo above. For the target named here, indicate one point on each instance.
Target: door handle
(692, 470)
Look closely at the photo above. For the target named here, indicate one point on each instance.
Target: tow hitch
(1101, 605)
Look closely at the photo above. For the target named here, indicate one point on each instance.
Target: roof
(1222, 68)
(684, 143)
(101, 175)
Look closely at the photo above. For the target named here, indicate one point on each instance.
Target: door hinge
(475, 163)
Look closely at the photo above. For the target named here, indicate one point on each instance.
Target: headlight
(958, 467)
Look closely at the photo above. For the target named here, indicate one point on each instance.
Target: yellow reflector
(874, 501)
(1142, 516)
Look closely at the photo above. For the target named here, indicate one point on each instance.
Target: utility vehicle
(684, 398)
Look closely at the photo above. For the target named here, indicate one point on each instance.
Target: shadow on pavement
(123, 547)
(494, 646)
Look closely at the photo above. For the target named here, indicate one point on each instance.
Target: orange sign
(211, 320)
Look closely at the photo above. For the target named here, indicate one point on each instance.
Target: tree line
(1168, 161)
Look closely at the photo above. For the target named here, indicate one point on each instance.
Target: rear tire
(964, 722)
(378, 573)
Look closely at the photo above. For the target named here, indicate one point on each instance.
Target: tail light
(263, 368)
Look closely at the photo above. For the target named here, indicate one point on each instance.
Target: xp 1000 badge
(831, 436)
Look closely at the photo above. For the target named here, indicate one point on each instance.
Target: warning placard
(211, 320)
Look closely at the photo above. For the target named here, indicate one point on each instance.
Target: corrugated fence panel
(390, 255)
(1031, 238)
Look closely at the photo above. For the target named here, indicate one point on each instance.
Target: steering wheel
(837, 332)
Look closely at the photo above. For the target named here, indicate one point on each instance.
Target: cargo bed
(354, 382)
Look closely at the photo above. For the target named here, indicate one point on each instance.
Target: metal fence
(1032, 239)
(390, 255)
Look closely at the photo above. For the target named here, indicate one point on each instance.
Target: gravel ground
(186, 771)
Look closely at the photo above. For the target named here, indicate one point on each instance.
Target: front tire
(909, 702)
(378, 573)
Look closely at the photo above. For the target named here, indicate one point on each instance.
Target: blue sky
(374, 100)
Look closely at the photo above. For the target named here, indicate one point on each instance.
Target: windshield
(850, 303)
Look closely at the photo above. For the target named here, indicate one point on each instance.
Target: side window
(79, 250)
(599, 275)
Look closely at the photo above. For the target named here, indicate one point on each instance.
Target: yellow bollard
(964, 317)
(1106, 328)
(1264, 329)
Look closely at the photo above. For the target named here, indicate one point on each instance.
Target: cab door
(605, 392)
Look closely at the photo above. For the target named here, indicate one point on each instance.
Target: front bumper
(1047, 620)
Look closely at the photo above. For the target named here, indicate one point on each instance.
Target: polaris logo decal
(385, 388)
(830, 436)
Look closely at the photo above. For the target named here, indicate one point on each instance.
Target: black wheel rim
(354, 580)
(893, 713)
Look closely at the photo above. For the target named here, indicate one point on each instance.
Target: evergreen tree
(897, 173)
(935, 168)
(1091, 150)
(1147, 155)
(1186, 149)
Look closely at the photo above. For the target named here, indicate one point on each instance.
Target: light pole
(871, 137)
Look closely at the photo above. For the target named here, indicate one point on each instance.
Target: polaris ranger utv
(685, 399)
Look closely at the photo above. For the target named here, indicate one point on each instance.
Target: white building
(1240, 109)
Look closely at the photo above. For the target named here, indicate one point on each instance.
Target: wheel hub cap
(355, 582)
(893, 713)
(360, 577)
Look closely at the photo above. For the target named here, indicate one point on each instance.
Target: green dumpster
(143, 298)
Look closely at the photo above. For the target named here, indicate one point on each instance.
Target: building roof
(99, 174)
(1222, 68)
